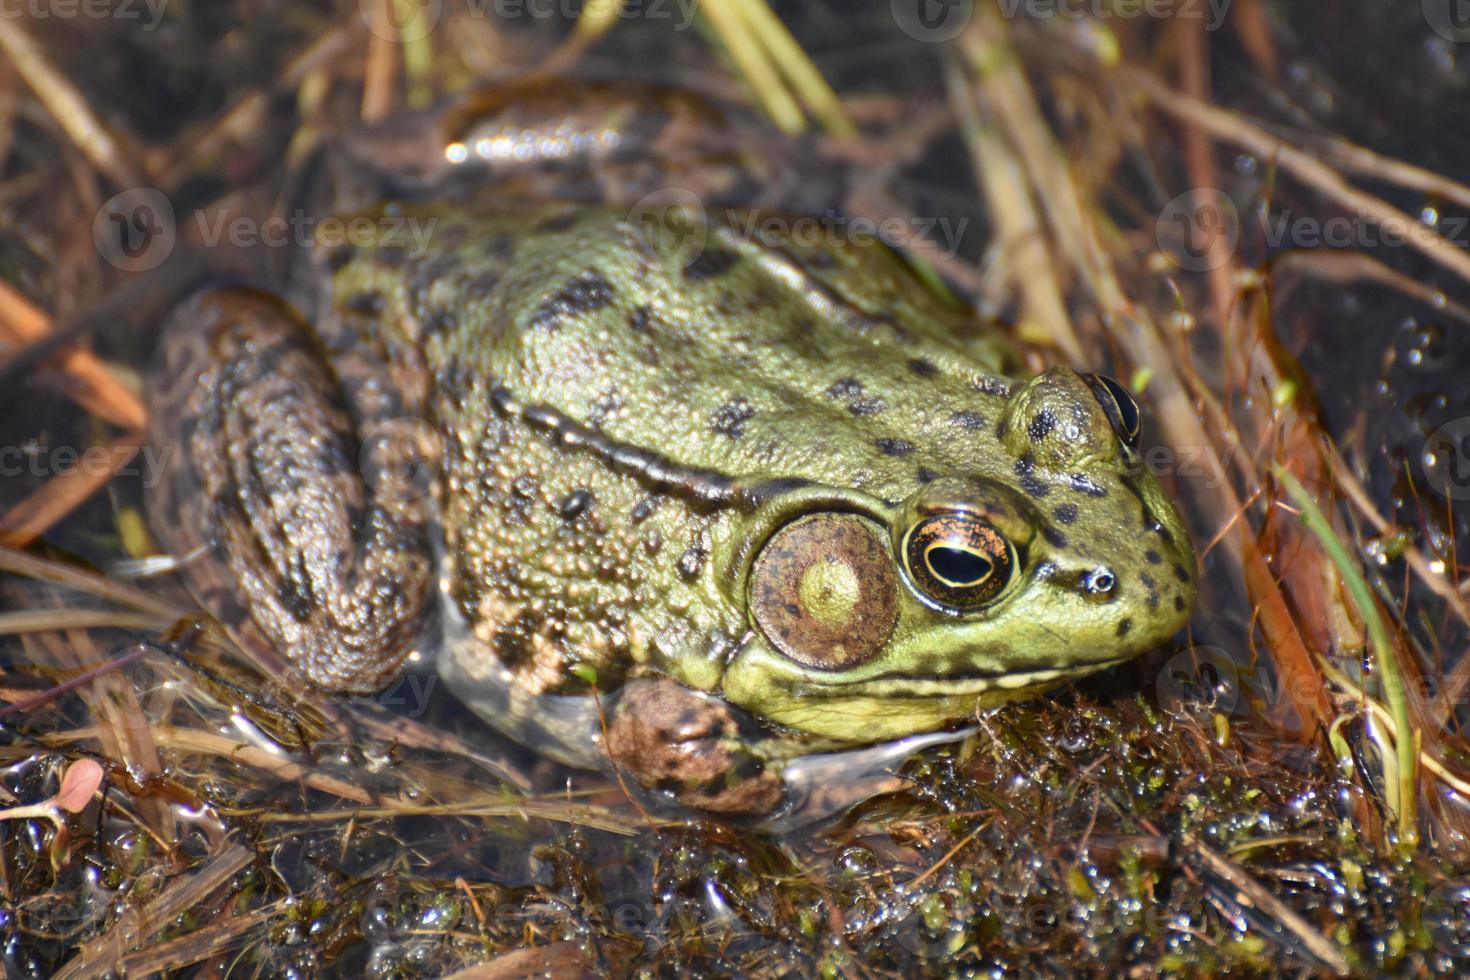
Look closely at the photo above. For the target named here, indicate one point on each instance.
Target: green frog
(656, 487)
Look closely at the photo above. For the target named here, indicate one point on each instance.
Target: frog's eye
(824, 591)
(958, 561)
(1118, 406)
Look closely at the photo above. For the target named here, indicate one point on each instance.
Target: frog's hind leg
(266, 485)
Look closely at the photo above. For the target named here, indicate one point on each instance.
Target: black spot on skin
(1179, 603)
(923, 367)
(575, 504)
(638, 318)
(992, 386)
(482, 284)
(926, 475)
(293, 595)
(894, 447)
(1085, 484)
(391, 256)
(587, 293)
(844, 388)
(644, 508)
(969, 421)
(1054, 537)
(437, 323)
(691, 561)
(1042, 424)
(1180, 573)
(710, 263)
(858, 401)
(338, 257)
(730, 418)
(1152, 557)
(1026, 476)
(604, 408)
(525, 487)
(1124, 625)
(1153, 589)
(558, 222)
(367, 303)
(1066, 513)
(501, 247)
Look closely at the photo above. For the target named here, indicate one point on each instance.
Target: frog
(657, 490)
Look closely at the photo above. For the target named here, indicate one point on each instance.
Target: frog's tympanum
(657, 487)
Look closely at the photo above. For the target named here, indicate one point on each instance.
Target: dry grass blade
(89, 583)
(562, 960)
(756, 65)
(66, 103)
(228, 933)
(51, 620)
(1044, 316)
(62, 494)
(1234, 128)
(1252, 892)
(194, 742)
(136, 925)
(96, 388)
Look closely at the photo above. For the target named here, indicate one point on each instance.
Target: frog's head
(872, 620)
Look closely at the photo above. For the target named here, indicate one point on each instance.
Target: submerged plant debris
(1260, 232)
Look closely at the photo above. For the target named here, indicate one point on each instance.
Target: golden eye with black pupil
(824, 591)
(1118, 406)
(958, 561)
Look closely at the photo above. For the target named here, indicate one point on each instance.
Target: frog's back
(724, 344)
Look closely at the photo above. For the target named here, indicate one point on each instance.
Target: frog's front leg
(693, 746)
(267, 486)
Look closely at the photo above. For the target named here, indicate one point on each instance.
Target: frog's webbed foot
(693, 747)
(302, 535)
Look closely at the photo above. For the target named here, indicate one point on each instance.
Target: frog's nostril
(1100, 581)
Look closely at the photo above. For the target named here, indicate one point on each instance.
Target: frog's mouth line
(960, 685)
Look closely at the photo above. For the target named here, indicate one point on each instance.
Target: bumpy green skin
(630, 406)
(615, 412)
